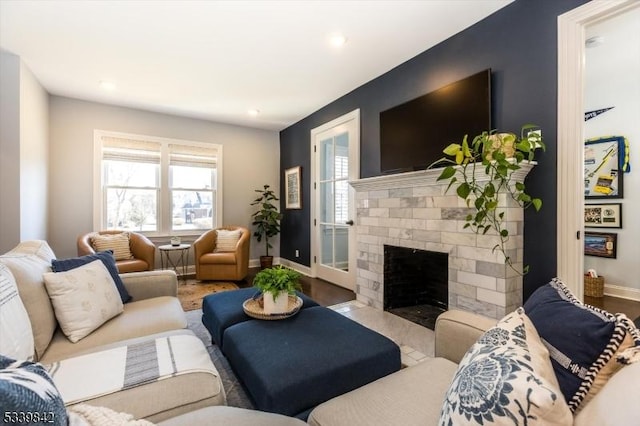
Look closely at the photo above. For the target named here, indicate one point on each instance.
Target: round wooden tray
(253, 309)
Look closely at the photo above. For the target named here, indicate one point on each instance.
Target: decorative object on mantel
(276, 284)
(266, 221)
(498, 155)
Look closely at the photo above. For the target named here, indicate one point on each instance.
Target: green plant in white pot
(276, 284)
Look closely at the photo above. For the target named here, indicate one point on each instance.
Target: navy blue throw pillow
(28, 395)
(107, 259)
(581, 339)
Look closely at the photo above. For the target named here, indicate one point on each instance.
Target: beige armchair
(231, 265)
(142, 249)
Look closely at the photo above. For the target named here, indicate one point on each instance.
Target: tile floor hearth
(416, 342)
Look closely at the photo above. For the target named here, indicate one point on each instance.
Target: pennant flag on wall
(592, 114)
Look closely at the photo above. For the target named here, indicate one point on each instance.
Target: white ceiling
(215, 60)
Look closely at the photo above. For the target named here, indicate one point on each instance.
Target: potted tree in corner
(276, 284)
(266, 221)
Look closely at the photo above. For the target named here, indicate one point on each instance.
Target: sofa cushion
(141, 318)
(106, 257)
(118, 243)
(83, 298)
(231, 416)
(506, 378)
(409, 397)
(28, 394)
(584, 349)
(15, 328)
(617, 403)
(28, 261)
(226, 240)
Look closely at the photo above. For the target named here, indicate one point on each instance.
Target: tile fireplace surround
(412, 210)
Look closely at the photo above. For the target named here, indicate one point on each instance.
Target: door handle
(349, 222)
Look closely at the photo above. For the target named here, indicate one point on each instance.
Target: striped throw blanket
(86, 377)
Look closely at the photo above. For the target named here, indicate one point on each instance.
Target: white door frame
(353, 115)
(570, 141)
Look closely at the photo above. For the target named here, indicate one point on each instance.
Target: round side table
(180, 260)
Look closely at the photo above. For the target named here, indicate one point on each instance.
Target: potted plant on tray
(497, 156)
(276, 284)
(266, 221)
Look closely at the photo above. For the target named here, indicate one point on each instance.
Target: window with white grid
(156, 186)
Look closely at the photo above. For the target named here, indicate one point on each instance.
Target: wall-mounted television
(413, 134)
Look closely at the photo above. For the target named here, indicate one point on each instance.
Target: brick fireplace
(412, 210)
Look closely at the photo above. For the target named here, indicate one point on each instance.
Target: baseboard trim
(304, 270)
(622, 292)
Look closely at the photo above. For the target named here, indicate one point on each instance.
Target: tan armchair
(142, 249)
(231, 266)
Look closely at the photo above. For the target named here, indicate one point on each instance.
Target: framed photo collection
(600, 244)
(607, 215)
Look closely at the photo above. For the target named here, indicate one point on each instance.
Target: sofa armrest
(456, 331)
(148, 284)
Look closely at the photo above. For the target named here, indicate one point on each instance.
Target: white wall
(34, 157)
(24, 160)
(9, 151)
(251, 159)
(612, 71)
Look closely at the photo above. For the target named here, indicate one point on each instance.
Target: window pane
(126, 173)
(191, 177)
(132, 209)
(193, 210)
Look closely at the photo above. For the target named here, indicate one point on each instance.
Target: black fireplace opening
(416, 284)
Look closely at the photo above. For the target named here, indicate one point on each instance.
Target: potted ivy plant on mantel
(480, 171)
(276, 284)
(266, 221)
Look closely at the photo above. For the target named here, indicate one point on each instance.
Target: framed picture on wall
(600, 244)
(293, 191)
(604, 164)
(603, 215)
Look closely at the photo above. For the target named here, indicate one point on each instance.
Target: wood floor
(615, 305)
(327, 294)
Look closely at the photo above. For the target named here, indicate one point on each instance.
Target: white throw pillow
(117, 243)
(506, 378)
(83, 298)
(226, 240)
(16, 336)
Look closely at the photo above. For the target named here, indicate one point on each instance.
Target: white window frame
(164, 201)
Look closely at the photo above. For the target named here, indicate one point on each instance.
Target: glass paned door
(334, 202)
(336, 163)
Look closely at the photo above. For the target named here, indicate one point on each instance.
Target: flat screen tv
(413, 134)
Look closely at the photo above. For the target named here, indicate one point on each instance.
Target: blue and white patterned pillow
(28, 394)
(506, 378)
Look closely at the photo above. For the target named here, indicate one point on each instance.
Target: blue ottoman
(222, 310)
(289, 366)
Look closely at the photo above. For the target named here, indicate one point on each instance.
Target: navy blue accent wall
(519, 44)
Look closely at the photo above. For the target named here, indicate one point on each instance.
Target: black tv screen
(413, 134)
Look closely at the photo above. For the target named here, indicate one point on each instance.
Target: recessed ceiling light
(108, 85)
(253, 112)
(337, 40)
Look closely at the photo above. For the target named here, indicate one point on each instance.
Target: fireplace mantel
(415, 210)
(425, 177)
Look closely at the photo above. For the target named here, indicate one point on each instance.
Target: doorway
(570, 185)
(335, 150)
